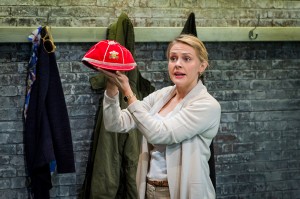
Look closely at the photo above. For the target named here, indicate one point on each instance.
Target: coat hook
(48, 18)
(251, 32)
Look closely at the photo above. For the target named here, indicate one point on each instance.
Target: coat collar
(196, 91)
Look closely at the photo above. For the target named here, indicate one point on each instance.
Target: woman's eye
(187, 59)
(173, 59)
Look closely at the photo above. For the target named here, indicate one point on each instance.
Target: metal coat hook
(251, 32)
(48, 18)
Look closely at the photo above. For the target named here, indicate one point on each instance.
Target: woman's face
(184, 66)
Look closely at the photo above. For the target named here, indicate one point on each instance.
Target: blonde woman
(178, 124)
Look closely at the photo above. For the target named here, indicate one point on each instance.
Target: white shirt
(158, 164)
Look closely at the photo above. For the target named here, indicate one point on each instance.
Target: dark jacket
(47, 135)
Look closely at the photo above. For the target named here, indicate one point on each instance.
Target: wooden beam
(156, 34)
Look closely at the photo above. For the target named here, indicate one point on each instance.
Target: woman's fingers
(107, 73)
(118, 78)
(119, 73)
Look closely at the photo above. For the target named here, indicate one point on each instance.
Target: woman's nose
(178, 63)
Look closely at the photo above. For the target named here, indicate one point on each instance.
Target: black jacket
(47, 135)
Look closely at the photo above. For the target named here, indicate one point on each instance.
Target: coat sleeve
(196, 118)
(115, 119)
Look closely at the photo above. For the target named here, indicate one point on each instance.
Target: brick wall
(257, 147)
(143, 13)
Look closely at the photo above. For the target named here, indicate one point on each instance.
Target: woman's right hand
(111, 87)
(116, 81)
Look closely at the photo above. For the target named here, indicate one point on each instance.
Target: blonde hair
(193, 42)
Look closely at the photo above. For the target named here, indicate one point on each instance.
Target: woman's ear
(203, 66)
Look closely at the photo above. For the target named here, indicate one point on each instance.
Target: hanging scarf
(34, 37)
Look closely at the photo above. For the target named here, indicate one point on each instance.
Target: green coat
(111, 171)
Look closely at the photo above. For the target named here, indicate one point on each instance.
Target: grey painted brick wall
(143, 13)
(258, 86)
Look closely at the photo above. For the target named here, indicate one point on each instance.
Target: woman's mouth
(179, 75)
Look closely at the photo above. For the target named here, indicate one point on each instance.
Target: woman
(178, 124)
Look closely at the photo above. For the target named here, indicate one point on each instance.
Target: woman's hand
(116, 81)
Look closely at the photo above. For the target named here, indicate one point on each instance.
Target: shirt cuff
(134, 106)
